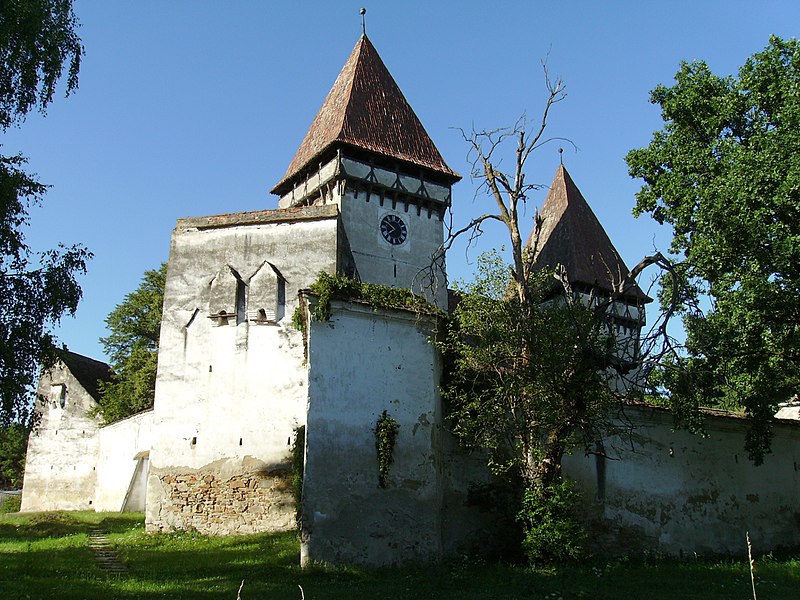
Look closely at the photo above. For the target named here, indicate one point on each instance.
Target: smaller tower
(572, 237)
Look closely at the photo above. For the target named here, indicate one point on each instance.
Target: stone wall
(217, 505)
(231, 383)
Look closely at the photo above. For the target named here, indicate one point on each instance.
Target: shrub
(551, 530)
(9, 503)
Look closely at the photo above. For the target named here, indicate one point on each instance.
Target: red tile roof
(572, 236)
(366, 109)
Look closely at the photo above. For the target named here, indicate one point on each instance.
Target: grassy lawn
(46, 556)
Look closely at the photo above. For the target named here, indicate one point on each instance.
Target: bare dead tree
(508, 191)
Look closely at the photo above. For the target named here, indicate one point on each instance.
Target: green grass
(46, 556)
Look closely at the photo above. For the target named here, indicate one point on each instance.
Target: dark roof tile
(87, 371)
(572, 236)
(366, 109)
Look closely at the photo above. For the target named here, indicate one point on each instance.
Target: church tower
(238, 382)
(368, 153)
(572, 237)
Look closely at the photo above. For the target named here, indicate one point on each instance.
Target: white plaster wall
(121, 444)
(229, 397)
(377, 260)
(361, 363)
(62, 450)
(679, 494)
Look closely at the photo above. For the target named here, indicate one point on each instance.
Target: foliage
(551, 528)
(45, 555)
(386, 430)
(328, 287)
(724, 173)
(13, 447)
(132, 345)
(37, 37)
(525, 383)
(10, 504)
(534, 363)
(36, 290)
(298, 469)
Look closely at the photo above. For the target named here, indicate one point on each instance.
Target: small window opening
(241, 301)
(240, 441)
(194, 441)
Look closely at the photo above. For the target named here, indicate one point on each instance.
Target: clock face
(394, 230)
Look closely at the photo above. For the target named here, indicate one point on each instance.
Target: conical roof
(366, 109)
(572, 236)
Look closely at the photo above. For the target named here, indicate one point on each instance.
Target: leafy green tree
(132, 346)
(37, 39)
(724, 173)
(13, 446)
(527, 383)
(534, 365)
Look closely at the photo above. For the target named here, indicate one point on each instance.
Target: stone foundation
(239, 505)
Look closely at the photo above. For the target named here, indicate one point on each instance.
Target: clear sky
(190, 108)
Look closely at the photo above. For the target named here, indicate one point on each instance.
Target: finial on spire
(363, 13)
(561, 155)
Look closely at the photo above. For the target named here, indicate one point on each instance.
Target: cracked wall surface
(665, 490)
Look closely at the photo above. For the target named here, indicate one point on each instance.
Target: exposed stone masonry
(211, 505)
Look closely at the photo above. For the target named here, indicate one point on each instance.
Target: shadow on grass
(26, 527)
(46, 556)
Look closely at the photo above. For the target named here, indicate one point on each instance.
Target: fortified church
(239, 386)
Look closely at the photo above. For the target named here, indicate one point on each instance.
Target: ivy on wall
(329, 287)
(385, 438)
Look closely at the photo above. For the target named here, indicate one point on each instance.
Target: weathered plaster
(389, 365)
(677, 493)
(60, 470)
(231, 389)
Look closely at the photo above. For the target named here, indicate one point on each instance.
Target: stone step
(104, 553)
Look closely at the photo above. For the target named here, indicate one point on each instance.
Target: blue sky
(189, 108)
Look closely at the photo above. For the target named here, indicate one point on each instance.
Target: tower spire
(365, 110)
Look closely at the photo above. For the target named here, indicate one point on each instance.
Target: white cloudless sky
(194, 107)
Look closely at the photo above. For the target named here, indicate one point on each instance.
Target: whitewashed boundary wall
(679, 494)
(122, 464)
(362, 362)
